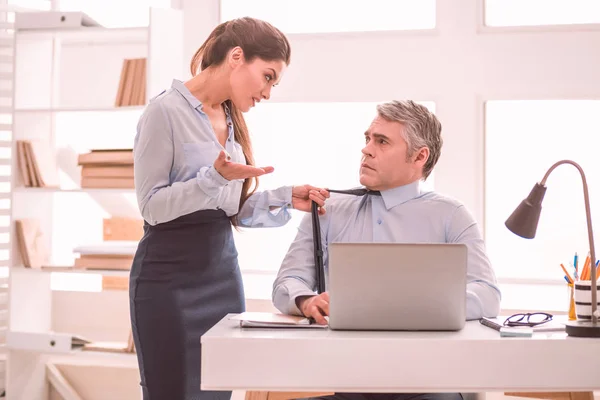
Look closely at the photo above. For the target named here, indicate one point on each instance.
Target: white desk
(475, 359)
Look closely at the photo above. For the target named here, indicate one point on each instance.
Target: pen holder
(583, 300)
(572, 314)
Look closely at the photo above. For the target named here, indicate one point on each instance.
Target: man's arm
(483, 294)
(297, 275)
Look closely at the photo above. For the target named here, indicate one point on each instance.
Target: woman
(193, 173)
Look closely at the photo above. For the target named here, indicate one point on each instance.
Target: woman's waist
(195, 218)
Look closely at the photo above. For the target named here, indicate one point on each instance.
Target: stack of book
(37, 165)
(132, 86)
(112, 168)
(110, 255)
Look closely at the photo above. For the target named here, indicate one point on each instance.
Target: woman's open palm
(231, 170)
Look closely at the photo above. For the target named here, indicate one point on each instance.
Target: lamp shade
(524, 220)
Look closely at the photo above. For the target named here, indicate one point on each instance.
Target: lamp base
(583, 329)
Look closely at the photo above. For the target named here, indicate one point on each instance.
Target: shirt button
(229, 140)
(229, 124)
(379, 221)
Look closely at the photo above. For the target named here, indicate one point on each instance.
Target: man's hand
(315, 307)
(302, 196)
(230, 170)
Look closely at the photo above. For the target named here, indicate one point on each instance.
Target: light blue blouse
(174, 151)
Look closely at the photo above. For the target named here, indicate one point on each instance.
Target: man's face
(385, 162)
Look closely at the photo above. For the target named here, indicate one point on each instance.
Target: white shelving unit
(7, 79)
(65, 87)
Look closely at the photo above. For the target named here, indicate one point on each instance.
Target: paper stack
(37, 165)
(132, 86)
(110, 255)
(107, 168)
(112, 347)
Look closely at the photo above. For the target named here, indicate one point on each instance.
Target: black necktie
(317, 233)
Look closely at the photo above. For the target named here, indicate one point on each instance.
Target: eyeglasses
(528, 319)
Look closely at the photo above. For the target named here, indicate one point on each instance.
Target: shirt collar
(185, 92)
(193, 100)
(401, 194)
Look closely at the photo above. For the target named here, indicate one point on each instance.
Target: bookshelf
(66, 83)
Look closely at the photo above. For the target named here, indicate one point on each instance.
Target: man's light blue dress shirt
(406, 214)
(174, 151)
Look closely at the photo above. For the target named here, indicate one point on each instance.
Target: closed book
(107, 171)
(107, 183)
(104, 262)
(108, 156)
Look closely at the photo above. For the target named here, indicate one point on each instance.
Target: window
(307, 143)
(541, 12)
(522, 142)
(309, 16)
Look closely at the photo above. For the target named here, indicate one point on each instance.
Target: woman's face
(252, 81)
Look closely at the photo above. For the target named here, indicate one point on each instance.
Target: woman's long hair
(257, 39)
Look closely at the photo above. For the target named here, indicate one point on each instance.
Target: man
(403, 144)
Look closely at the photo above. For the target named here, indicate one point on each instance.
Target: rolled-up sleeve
(269, 208)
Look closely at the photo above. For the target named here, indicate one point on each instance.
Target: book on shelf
(31, 242)
(113, 255)
(106, 157)
(102, 261)
(132, 84)
(112, 282)
(107, 183)
(104, 171)
(37, 165)
(107, 168)
(122, 229)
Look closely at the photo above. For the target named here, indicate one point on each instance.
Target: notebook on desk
(273, 320)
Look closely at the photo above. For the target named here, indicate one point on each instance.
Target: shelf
(33, 190)
(88, 35)
(69, 270)
(79, 109)
(96, 359)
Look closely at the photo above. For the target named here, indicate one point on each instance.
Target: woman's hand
(231, 171)
(302, 196)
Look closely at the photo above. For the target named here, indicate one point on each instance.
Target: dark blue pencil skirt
(184, 279)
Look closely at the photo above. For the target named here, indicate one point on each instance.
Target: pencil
(586, 269)
(567, 274)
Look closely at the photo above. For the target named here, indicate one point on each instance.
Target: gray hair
(421, 129)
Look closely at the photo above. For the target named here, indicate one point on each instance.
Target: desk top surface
(230, 329)
(473, 359)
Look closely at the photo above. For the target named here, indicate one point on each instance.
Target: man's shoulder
(441, 200)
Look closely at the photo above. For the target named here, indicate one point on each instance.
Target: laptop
(397, 286)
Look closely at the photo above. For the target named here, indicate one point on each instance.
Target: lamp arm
(588, 214)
